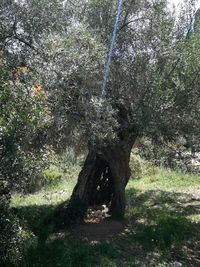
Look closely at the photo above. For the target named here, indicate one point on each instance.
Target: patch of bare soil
(98, 226)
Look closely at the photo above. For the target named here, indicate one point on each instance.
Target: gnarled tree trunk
(104, 176)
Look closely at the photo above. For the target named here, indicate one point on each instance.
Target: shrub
(141, 167)
(14, 240)
(65, 166)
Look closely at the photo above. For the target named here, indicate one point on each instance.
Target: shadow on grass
(42, 220)
(165, 222)
(158, 225)
(56, 246)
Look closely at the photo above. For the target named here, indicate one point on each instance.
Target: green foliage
(21, 112)
(21, 119)
(15, 240)
(52, 176)
(141, 167)
(64, 167)
(154, 74)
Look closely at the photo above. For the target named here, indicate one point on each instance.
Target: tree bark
(105, 175)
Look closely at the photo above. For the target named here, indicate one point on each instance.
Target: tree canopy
(154, 70)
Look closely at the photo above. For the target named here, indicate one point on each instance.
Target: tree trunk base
(102, 180)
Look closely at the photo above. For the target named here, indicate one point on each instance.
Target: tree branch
(23, 41)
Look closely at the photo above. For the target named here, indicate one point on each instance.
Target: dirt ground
(98, 226)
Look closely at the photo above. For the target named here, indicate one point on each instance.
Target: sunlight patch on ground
(44, 197)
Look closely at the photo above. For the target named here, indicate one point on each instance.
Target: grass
(47, 196)
(163, 220)
(172, 181)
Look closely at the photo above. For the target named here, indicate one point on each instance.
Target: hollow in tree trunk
(104, 177)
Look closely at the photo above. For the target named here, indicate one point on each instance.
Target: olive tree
(152, 89)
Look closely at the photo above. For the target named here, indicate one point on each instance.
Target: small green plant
(52, 176)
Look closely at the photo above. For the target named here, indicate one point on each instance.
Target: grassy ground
(163, 226)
